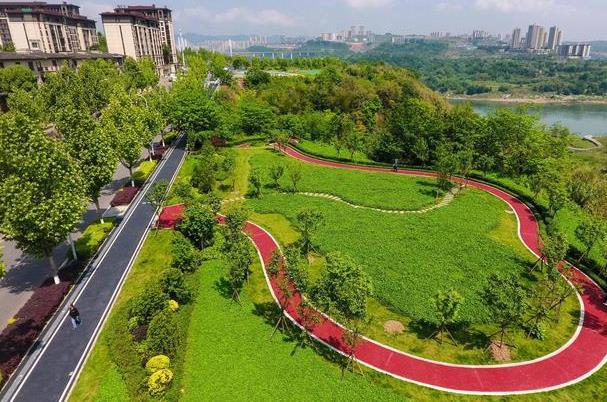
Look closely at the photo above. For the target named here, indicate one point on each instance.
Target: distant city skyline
(583, 21)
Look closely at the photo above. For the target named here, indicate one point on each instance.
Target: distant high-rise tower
(554, 38)
(535, 37)
(516, 39)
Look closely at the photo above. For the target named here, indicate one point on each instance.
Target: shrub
(183, 191)
(140, 333)
(124, 196)
(173, 284)
(16, 339)
(173, 305)
(185, 257)
(159, 381)
(91, 239)
(158, 362)
(198, 225)
(132, 323)
(143, 172)
(147, 304)
(162, 334)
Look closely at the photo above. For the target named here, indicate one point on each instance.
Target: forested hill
(447, 69)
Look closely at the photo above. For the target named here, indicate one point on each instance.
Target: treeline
(449, 70)
(61, 141)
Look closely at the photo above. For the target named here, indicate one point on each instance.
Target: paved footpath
(52, 366)
(585, 353)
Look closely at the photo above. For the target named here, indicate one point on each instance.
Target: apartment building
(47, 28)
(142, 31)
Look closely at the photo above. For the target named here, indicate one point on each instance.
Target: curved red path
(585, 353)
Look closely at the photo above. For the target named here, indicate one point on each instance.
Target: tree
(255, 181)
(447, 309)
(295, 175)
(157, 194)
(342, 129)
(91, 145)
(124, 122)
(240, 258)
(8, 47)
(283, 296)
(421, 151)
(354, 142)
(235, 221)
(589, 233)
(554, 249)
(584, 185)
(557, 199)
(308, 222)
(343, 288)
(505, 298)
(214, 202)
(296, 268)
(16, 77)
(465, 161)
(255, 116)
(42, 193)
(255, 77)
(446, 166)
(198, 224)
(485, 163)
(277, 170)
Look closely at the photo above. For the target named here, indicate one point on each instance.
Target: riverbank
(536, 100)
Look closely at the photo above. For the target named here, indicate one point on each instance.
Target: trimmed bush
(158, 362)
(173, 305)
(160, 381)
(173, 284)
(162, 334)
(91, 239)
(185, 256)
(144, 171)
(147, 305)
(124, 196)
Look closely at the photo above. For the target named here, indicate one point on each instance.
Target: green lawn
(328, 151)
(371, 189)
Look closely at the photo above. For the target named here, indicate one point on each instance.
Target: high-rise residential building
(575, 51)
(516, 39)
(141, 31)
(535, 37)
(554, 38)
(48, 28)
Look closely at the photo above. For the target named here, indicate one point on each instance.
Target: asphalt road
(52, 366)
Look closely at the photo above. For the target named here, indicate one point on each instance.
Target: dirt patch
(500, 354)
(393, 327)
(244, 146)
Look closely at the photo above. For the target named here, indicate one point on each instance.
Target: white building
(142, 31)
(48, 28)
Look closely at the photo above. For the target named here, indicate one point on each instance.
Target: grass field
(371, 189)
(228, 354)
(328, 151)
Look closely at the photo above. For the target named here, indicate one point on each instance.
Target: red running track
(585, 353)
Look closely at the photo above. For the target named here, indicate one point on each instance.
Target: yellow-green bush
(92, 238)
(173, 305)
(159, 381)
(144, 171)
(158, 362)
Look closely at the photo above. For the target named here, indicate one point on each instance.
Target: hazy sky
(580, 19)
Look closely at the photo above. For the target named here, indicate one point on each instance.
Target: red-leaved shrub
(124, 196)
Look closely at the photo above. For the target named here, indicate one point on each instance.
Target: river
(582, 119)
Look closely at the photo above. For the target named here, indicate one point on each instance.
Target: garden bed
(18, 337)
(124, 196)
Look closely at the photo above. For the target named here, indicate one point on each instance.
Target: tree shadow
(462, 332)
(223, 287)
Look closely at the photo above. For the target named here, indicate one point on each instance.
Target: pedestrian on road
(74, 316)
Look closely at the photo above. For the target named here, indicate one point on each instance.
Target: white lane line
(100, 260)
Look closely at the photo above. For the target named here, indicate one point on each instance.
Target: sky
(580, 19)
